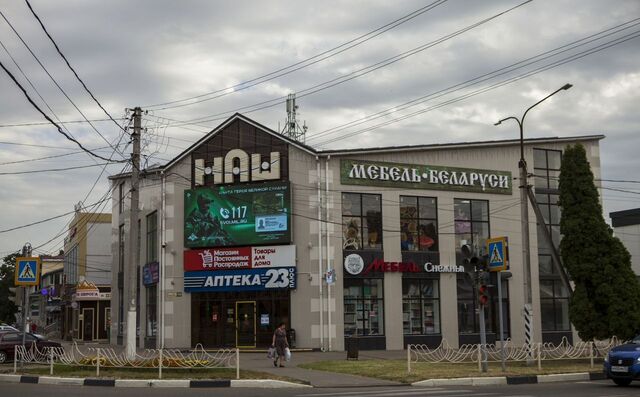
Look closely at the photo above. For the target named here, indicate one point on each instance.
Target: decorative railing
(509, 352)
(109, 358)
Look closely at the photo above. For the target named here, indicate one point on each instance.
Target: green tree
(606, 297)
(7, 308)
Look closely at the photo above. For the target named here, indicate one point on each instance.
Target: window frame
(421, 299)
(359, 303)
(348, 227)
(418, 219)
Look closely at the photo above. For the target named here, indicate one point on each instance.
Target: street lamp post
(524, 216)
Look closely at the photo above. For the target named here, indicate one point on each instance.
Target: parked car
(622, 364)
(9, 339)
(5, 327)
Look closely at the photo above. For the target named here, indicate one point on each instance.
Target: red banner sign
(239, 258)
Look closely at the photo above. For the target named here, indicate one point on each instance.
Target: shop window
(363, 307)
(468, 319)
(152, 237)
(554, 297)
(361, 221)
(152, 308)
(418, 223)
(471, 219)
(420, 306)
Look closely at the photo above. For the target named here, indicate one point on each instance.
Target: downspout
(320, 255)
(163, 245)
(326, 185)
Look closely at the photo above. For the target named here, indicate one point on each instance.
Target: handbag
(271, 353)
(287, 354)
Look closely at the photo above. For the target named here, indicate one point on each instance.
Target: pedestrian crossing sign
(27, 271)
(498, 250)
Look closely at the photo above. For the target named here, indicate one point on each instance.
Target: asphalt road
(571, 389)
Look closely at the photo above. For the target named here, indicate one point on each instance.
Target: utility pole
(26, 253)
(133, 234)
(524, 216)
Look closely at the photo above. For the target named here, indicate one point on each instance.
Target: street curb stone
(210, 383)
(562, 377)
(10, 378)
(266, 384)
(28, 379)
(489, 381)
(52, 380)
(133, 383)
(99, 382)
(170, 383)
(522, 380)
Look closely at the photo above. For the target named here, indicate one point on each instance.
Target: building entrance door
(87, 324)
(246, 324)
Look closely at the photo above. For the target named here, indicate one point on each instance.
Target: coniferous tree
(7, 308)
(606, 298)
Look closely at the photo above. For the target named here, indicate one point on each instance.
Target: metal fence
(160, 359)
(509, 352)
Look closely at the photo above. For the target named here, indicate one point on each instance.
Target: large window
(152, 307)
(471, 225)
(120, 198)
(420, 306)
(152, 237)
(363, 306)
(554, 305)
(418, 223)
(471, 222)
(554, 296)
(468, 320)
(121, 280)
(361, 221)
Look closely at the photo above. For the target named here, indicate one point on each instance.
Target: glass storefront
(238, 319)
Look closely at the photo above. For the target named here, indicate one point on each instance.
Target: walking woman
(280, 343)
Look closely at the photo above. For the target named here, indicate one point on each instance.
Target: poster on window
(224, 216)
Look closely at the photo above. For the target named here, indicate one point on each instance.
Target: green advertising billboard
(237, 215)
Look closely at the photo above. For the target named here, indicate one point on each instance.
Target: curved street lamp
(524, 216)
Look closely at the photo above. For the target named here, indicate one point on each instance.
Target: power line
(524, 75)
(52, 79)
(51, 121)
(305, 63)
(49, 219)
(350, 76)
(70, 67)
(54, 169)
(484, 77)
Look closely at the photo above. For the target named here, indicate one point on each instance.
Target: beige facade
(316, 309)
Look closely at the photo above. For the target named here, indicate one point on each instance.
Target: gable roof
(337, 152)
(230, 120)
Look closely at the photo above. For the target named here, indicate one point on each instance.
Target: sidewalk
(260, 362)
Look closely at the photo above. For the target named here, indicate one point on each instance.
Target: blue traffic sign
(27, 271)
(498, 254)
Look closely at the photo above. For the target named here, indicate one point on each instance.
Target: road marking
(396, 392)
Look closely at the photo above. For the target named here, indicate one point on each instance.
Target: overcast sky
(144, 53)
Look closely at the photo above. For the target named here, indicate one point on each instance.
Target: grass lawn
(396, 370)
(143, 373)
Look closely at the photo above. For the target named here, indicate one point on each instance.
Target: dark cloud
(146, 52)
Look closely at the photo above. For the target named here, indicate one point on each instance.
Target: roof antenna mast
(292, 128)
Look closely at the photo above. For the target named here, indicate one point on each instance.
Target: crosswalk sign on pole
(27, 271)
(498, 249)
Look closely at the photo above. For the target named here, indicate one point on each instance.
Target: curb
(511, 380)
(179, 383)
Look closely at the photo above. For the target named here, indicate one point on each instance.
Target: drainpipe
(163, 245)
(320, 255)
(326, 186)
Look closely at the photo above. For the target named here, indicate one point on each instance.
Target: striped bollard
(528, 333)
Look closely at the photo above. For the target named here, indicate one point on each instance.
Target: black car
(9, 339)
